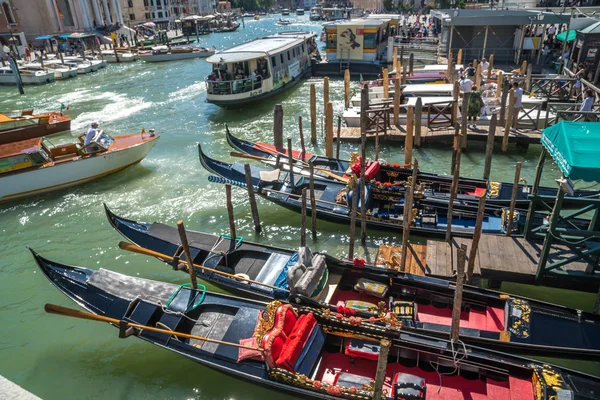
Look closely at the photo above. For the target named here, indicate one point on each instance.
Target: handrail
(233, 86)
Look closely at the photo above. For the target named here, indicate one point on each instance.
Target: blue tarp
(63, 35)
(575, 146)
(44, 37)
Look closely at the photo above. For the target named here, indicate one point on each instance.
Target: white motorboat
(28, 76)
(166, 53)
(60, 71)
(94, 62)
(300, 11)
(124, 56)
(83, 67)
(284, 22)
(32, 167)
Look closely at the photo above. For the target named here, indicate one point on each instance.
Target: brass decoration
(267, 321)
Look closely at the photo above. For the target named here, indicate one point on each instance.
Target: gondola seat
(367, 350)
(305, 276)
(409, 387)
(371, 288)
(348, 380)
(371, 170)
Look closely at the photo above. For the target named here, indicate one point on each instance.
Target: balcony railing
(233, 87)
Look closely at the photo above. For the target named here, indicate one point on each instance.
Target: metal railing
(232, 87)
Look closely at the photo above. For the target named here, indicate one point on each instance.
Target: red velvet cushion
(247, 354)
(295, 343)
(478, 192)
(286, 318)
(273, 342)
(371, 170)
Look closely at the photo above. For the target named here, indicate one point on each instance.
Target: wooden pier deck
(498, 258)
(444, 135)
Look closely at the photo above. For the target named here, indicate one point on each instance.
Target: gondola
(302, 351)
(489, 318)
(498, 193)
(384, 205)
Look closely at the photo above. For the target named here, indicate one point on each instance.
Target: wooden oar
(264, 159)
(142, 250)
(69, 312)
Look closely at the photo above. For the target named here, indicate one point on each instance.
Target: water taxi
(124, 56)
(300, 11)
(32, 167)
(285, 11)
(15, 126)
(60, 71)
(167, 53)
(260, 68)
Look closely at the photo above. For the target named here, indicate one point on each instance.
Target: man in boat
(91, 133)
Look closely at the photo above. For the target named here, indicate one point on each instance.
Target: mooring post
(411, 63)
(386, 83)
(347, 88)
(449, 70)
(188, 253)
(395, 62)
(529, 77)
(513, 199)
(463, 120)
(453, 189)
(353, 207)
(499, 84)
(458, 293)
(363, 197)
(313, 202)
(278, 127)
(509, 120)
(252, 198)
(409, 194)
(478, 77)
(534, 193)
(230, 215)
(505, 93)
(382, 362)
(16, 73)
(491, 61)
(475, 64)
(303, 220)
(459, 57)
(404, 74)
(397, 94)
(408, 140)
(418, 121)
(337, 141)
(313, 114)
(329, 130)
(302, 146)
(290, 160)
(325, 94)
(476, 237)
(489, 147)
(364, 106)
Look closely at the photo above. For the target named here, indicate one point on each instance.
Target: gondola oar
(251, 157)
(142, 250)
(69, 312)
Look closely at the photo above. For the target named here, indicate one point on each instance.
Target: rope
(167, 328)
(455, 362)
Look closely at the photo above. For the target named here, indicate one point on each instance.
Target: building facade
(135, 12)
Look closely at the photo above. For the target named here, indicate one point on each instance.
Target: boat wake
(118, 107)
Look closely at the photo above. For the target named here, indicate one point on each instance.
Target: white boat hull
(123, 58)
(71, 173)
(64, 74)
(27, 79)
(175, 56)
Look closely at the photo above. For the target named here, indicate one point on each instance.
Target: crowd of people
(238, 81)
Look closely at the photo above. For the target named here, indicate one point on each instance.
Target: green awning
(575, 146)
(571, 36)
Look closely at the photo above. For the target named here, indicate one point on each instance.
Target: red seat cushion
(478, 192)
(295, 342)
(372, 170)
(273, 343)
(286, 318)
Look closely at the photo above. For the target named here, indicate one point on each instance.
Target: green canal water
(61, 358)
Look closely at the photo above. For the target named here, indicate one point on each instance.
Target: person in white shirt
(551, 32)
(91, 133)
(518, 94)
(484, 65)
(465, 85)
(587, 104)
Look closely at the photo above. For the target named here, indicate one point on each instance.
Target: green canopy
(575, 146)
(571, 36)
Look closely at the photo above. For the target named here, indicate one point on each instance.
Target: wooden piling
(411, 63)
(337, 142)
(409, 195)
(489, 147)
(252, 199)
(397, 100)
(325, 92)
(313, 114)
(404, 74)
(478, 77)
(455, 95)
(488, 74)
(278, 127)
(188, 254)
(453, 187)
(408, 141)
(491, 61)
(475, 63)
(302, 146)
(290, 160)
(513, 199)
(503, 98)
(313, 202)
(449, 70)
(476, 237)
(230, 215)
(458, 292)
(418, 117)
(528, 78)
(523, 69)
(458, 57)
(382, 362)
(364, 106)
(386, 83)
(303, 220)
(509, 120)
(346, 88)
(395, 61)
(363, 197)
(463, 120)
(499, 83)
(329, 130)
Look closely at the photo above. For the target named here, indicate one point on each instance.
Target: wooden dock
(498, 258)
(444, 135)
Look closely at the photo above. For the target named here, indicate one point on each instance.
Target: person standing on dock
(518, 93)
(475, 105)
(466, 85)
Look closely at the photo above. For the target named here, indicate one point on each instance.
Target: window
(370, 41)
(146, 4)
(152, 3)
(288, 52)
(273, 61)
(130, 3)
(160, 14)
(281, 56)
(148, 16)
(332, 40)
(131, 17)
(6, 10)
(158, 3)
(302, 48)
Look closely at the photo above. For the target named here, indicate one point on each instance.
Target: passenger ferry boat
(300, 11)
(260, 68)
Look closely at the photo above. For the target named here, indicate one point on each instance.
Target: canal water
(61, 358)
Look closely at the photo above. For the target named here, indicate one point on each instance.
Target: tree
(388, 5)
